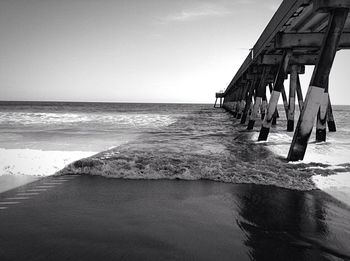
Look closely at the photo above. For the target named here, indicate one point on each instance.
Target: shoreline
(340, 193)
(9, 182)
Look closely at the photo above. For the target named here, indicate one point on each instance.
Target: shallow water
(153, 141)
(204, 144)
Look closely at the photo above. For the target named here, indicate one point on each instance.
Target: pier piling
(276, 114)
(249, 96)
(278, 85)
(292, 90)
(330, 117)
(322, 117)
(337, 18)
(263, 105)
(260, 91)
(299, 94)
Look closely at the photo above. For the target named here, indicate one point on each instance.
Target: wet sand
(8, 182)
(90, 218)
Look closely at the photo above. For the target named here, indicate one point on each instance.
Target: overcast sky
(132, 50)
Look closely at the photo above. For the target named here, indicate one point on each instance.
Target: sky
(133, 50)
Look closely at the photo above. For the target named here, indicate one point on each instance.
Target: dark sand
(94, 218)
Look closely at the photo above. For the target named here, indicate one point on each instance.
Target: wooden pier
(220, 96)
(301, 32)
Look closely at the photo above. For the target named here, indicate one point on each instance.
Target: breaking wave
(204, 145)
(52, 118)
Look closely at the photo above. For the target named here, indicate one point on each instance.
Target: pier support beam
(318, 84)
(260, 90)
(263, 105)
(234, 109)
(285, 101)
(300, 95)
(330, 117)
(322, 117)
(241, 101)
(292, 89)
(275, 115)
(248, 101)
(278, 85)
(253, 115)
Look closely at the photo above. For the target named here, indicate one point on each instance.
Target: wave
(132, 163)
(199, 148)
(51, 118)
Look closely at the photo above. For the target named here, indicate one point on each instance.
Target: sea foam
(209, 145)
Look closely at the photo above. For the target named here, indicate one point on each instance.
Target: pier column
(300, 95)
(241, 108)
(285, 101)
(240, 101)
(257, 101)
(249, 96)
(253, 115)
(318, 84)
(292, 89)
(251, 105)
(330, 117)
(275, 115)
(227, 101)
(234, 108)
(263, 105)
(278, 85)
(322, 117)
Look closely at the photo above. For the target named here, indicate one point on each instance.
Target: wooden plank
(300, 69)
(325, 5)
(274, 59)
(306, 40)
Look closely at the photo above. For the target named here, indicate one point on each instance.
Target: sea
(166, 141)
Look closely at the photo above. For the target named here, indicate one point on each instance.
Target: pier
(220, 96)
(301, 32)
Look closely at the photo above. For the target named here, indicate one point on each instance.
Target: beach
(166, 181)
(94, 217)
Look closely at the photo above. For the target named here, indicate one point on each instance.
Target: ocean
(165, 141)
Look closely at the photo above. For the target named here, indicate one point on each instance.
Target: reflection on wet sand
(281, 224)
(95, 218)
